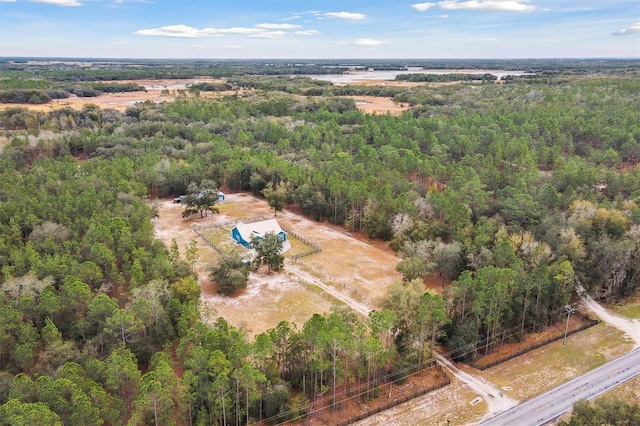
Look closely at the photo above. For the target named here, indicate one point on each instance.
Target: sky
(304, 29)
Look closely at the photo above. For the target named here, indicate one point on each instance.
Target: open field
(379, 105)
(347, 267)
(121, 101)
(356, 266)
(155, 88)
(584, 351)
(503, 351)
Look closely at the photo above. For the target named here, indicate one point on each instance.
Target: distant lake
(353, 76)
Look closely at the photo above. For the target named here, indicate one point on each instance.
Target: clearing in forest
(347, 270)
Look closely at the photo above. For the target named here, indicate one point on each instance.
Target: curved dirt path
(631, 327)
(497, 401)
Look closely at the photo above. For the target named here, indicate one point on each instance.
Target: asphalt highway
(550, 405)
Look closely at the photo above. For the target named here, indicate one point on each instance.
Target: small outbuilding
(243, 233)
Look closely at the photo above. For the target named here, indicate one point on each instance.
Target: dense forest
(514, 193)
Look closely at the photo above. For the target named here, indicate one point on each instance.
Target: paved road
(550, 405)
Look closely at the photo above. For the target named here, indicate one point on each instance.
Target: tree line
(56, 91)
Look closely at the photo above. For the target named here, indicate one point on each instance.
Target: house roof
(258, 229)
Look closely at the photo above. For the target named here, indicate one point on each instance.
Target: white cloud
(307, 32)
(59, 2)
(368, 42)
(278, 26)
(633, 29)
(488, 5)
(259, 31)
(347, 15)
(269, 34)
(178, 31)
(133, 1)
(421, 7)
(7, 1)
(292, 18)
(239, 30)
(482, 5)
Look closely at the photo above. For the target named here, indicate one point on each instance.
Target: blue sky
(320, 29)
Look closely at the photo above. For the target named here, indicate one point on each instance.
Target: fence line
(207, 241)
(231, 222)
(333, 280)
(397, 401)
(479, 366)
(315, 248)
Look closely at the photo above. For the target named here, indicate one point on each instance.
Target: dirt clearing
(156, 91)
(379, 105)
(159, 91)
(347, 271)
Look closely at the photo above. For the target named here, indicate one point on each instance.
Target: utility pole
(570, 309)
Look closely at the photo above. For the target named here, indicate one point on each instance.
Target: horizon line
(97, 58)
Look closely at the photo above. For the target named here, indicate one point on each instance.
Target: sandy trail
(497, 402)
(305, 276)
(631, 327)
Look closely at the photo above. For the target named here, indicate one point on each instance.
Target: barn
(243, 233)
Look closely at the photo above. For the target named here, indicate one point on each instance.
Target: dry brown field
(155, 88)
(121, 101)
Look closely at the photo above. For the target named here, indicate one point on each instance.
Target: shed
(243, 233)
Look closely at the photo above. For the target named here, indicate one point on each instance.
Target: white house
(243, 233)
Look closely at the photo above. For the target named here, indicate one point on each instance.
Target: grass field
(629, 307)
(584, 351)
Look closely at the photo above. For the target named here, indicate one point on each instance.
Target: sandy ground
(631, 327)
(453, 403)
(496, 400)
(377, 105)
(348, 271)
(121, 101)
